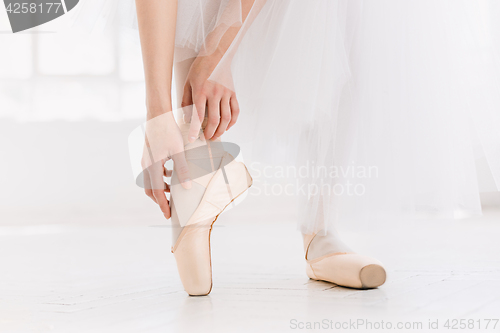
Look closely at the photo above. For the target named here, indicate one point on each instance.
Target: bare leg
(181, 70)
(325, 244)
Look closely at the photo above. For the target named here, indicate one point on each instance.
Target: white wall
(68, 101)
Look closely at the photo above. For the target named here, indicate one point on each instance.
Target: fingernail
(192, 138)
(186, 183)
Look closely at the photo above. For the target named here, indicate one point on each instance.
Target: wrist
(157, 104)
(154, 110)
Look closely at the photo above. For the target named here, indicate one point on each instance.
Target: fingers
(235, 111)
(213, 116)
(187, 96)
(182, 169)
(225, 116)
(158, 187)
(167, 173)
(187, 100)
(222, 110)
(155, 186)
(161, 200)
(147, 185)
(149, 193)
(197, 118)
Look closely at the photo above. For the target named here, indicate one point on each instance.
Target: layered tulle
(388, 104)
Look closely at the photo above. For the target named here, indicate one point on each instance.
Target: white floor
(88, 277)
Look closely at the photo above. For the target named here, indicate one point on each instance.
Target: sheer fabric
(394, 100)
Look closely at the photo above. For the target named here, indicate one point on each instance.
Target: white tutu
(387, 103)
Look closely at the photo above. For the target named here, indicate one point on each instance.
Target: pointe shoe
(344, 269)
(198, 208)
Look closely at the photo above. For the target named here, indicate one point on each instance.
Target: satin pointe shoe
(344, 268)
(217, 180)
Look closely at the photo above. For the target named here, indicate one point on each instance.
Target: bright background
(63, 71)
(70, 95)
(68, 102)
(69, 98)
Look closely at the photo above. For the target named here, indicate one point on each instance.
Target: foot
(217, 179)
(191, 250)
(329, 259)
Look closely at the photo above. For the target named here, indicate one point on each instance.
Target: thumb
(182, 169)
(194, 127)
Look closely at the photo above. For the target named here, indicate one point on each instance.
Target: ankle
(319, 245)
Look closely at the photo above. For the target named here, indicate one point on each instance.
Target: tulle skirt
(385, 106)
(382, 108)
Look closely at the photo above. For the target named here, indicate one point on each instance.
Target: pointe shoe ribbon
(217, 180)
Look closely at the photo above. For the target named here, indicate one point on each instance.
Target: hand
(223, 108)
(163, 142)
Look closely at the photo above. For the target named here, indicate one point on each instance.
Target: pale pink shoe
(197, 208)
(345, 269)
